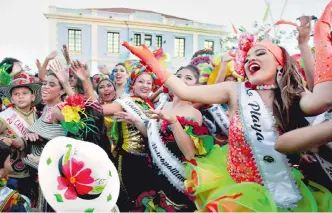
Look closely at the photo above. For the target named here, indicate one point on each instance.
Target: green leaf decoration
(49, 161)
(110, 173)
(99, 189)
(109, 197)
(89, 210)
(69, 146)
(58, 198)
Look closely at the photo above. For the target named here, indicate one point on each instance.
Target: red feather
(280, 22)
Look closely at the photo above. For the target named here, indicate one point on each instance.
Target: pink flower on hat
(74, 179)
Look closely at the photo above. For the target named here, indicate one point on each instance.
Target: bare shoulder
(197, 115)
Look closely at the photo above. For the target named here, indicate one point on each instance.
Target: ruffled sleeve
(199, 135)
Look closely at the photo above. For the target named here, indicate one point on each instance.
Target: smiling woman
(242, 170)
(130, 148)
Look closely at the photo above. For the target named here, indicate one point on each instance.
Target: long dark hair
(288, 96)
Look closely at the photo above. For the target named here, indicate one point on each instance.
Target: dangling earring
(279, 75)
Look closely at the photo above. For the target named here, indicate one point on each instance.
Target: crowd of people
(246, 132)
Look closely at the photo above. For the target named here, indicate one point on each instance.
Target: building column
(94, 47)
(195, 42)
(52, 31)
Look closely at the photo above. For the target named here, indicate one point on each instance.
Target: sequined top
(241, 164)
(323, 48)
(133, 140)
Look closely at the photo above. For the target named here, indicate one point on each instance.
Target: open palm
(80, 70)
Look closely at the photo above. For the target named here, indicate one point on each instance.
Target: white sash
(163, 99)
(219, 115)
(260, 134)
(327, 166)
(131, 107)
(5, 194)
(167, 162)
(15, 122)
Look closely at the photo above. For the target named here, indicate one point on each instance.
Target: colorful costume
(214, 117)
(248, 174)
(252, 176)
(170, 163)
(13, 124)
(133, 162)
(134, 168)
(323, 46)
(11, 200)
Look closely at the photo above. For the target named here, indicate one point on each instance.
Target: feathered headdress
(203, 59)
(136, 68)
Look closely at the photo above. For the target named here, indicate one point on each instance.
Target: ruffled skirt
(214, 190)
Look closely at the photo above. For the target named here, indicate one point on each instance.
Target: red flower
(76, 100)
(75, 179)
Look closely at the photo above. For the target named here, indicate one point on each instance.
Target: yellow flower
(71, 113)
(5, 101)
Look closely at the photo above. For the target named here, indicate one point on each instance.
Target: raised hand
(148, 58)
(38, 64)
(60, 72)
(80, 70)
(104, 70)
(52, 55)
(304, 30)
(142, 53)
(17, 69)
(65, 54)
(227, 58)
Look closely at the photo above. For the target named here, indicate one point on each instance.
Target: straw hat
(78, 176)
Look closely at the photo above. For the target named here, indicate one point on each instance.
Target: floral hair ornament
(76, 121)
(73, 179)
(136, 68)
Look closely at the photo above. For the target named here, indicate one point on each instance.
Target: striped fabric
(46, 131)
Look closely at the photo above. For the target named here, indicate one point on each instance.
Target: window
(159, 41)
(209, 45)
(148, 40)
(113, 42)
(137, 39)
(179, 47)
(75, 40)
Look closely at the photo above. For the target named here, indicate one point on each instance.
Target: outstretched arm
(82, 72)
(212, 94)
(111, 109)
(308, 60)
(321, 98)
(305, 138)
(42, 70)
(205, 94)
(222, 71)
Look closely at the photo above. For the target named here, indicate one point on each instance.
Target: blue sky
(26, 35)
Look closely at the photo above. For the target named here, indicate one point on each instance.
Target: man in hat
(13, 123)
(10, 200)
